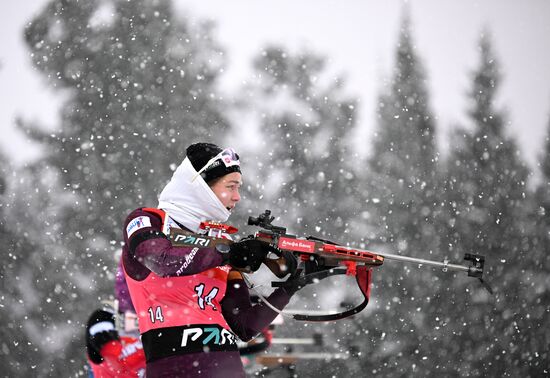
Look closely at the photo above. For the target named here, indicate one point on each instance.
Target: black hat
(201, 154)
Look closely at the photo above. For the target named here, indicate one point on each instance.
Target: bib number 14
(156, 314)
(204, 301)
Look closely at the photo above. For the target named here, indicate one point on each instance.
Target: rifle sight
(264, 221)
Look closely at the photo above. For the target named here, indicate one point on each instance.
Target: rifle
(319, 259)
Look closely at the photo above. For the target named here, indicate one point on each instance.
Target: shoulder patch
(137, 223)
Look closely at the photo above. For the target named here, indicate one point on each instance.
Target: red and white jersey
(175, 301)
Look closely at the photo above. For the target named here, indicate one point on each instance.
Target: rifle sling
(362, 275)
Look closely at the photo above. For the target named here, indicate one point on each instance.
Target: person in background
(192, 301)
(113, 346)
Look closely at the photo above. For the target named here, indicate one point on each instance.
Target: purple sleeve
(151, 248)
(244, 318)
(121, 291)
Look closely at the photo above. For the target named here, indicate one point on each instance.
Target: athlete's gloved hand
(294, 283)
(248, 254)
(99, 339)
(289, 262)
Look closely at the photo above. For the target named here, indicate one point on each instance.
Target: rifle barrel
(291, 340)
(445, 265)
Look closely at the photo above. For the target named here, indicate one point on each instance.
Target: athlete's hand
(289, 263)
(285, 263)
(248, 254)
(99, 339)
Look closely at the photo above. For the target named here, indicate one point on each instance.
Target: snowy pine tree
(403, 164)
(536, 289)
(542, 203)
(304, 163)
(403, 198)
(17, 351)
(37, 290)
(486, 195)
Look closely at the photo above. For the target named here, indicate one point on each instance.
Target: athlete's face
(227, 189)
